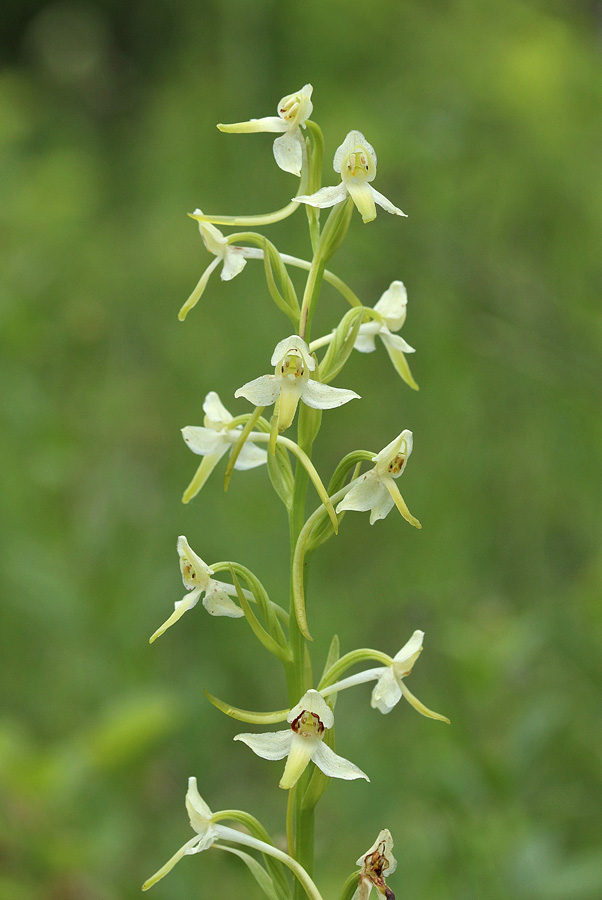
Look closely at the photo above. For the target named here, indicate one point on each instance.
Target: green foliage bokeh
(487, 122)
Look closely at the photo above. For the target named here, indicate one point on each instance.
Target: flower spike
(355, 159)
(293, 112)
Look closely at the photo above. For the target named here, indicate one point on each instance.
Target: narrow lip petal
(400, 502)
(270, 745)
(185, 849)
(313, 702)
(362, 195)
(252, 126)
(262, 391)
(323, 396)
(290, 344)
(181, 606)
(288, 152)
(325, 197)
(336, 766)
(302, 750)
(290, 394)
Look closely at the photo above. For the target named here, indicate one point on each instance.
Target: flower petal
(195, 572)
(363, 495)
(217, 602)
(362, 196)
(395, 341)
(386, 204)
(267, 123)
(215, 410)
(198, 812)
(353, 141)
(382, 507)
(201, 475)
(312, 701)
(262, 391)
(401, 365)
(234, 263)
(163, 871)
(336, 766)
(199, 289)
(273, 745)
(288, 152)
(290, 392)
(406, 657)
(204, 441)
(385, 838)
(323, 396)
(302, 750)
(250, 457)
(393, 305)
(387, 692)
(325, 197)
(293, 344)
(400, 502)
(182, 606)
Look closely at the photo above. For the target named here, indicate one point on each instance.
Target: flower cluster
(299, 389)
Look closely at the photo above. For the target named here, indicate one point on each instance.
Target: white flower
(208, 831)
(197, 579)
(390, 686)
(291, 383)
(213, 439)
(355, 159)
(233, 259)
(293, 112)
(376, 490)
(376, 864)
(392, 306)
(303, 742)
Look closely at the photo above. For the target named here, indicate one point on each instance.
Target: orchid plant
(299, 389)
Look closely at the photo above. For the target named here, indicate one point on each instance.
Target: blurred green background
(487, 122)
